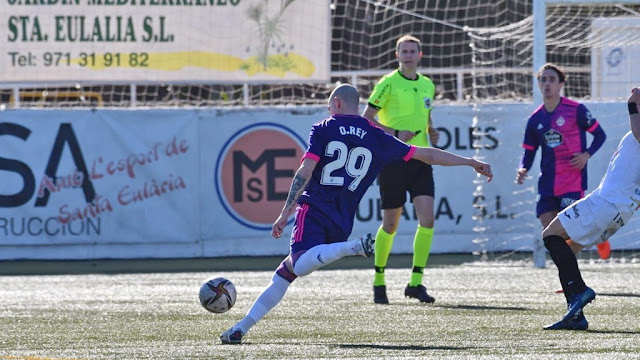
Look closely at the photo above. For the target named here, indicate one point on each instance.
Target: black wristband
(397, 133)
(633, 108)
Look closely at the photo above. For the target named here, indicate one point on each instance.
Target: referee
(402, 100)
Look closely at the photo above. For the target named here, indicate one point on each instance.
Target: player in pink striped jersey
(558, 128)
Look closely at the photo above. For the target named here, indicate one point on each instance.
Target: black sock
(567, 264)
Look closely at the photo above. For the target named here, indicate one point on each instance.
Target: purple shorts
(311, 228)
(547, 203)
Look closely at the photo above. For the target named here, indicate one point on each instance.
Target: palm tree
(269, 27)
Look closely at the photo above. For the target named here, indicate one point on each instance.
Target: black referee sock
(567, 264)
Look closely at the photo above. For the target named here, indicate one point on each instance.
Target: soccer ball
(217, 295)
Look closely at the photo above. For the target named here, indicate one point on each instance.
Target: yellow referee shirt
(404, 104)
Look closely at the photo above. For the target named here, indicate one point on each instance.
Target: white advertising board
(208, 183)
(471, 214)
(164, 40)
(77, 182)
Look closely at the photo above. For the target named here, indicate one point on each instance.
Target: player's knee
(299, 271)
(428, 223)
(391, 220)
(390, 228)
(390, 225)
(301, 265)
(285, 270)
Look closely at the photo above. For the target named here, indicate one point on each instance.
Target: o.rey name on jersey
(352, 130)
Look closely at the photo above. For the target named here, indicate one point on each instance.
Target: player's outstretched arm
(298, 184)
(634, 116)
(436, 156)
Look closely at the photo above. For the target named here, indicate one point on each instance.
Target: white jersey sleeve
(621, 183)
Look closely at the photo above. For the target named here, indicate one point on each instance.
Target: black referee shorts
(399, 177)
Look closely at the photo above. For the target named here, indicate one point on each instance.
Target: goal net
(595, 43)
(473, 50)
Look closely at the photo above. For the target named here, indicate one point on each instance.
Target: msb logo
(254, 171)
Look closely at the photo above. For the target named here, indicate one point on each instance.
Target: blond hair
(407, 38)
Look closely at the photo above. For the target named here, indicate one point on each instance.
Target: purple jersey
(350, 152)
(560, 134)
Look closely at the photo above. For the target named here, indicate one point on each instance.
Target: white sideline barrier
(209, 183)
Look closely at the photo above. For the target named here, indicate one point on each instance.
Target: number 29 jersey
(350, 152)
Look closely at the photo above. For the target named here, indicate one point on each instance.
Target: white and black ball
(218, 295)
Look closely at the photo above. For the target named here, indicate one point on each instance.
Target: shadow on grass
(398, 347)
(613, 332)
(476, 307)
(238, 263)
(619, 295)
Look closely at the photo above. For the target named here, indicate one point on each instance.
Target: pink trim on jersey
(311, 156)
(593, 127)
(409, 155)
(536, 110)
(569, 102)
(528, 147)
(301, 213)
(373, 124)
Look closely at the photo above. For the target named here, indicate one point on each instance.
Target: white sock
(245, 324)
(268, 299)
(321, 255)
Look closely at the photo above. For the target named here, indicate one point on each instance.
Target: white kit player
(595, 218)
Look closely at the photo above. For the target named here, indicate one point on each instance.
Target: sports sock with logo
(421, 250)
(383, 244)
(567, 264)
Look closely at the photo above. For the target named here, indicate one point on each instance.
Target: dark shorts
(399, 177)
(547, 203)
(311, 228)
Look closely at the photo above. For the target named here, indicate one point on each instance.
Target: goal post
(539, 30)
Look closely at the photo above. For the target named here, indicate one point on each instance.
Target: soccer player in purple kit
(559, 128)
(344, 155)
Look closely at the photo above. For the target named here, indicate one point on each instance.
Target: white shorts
(591, 220)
